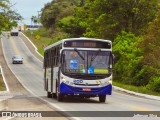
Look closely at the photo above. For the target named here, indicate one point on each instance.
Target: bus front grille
(87, 84)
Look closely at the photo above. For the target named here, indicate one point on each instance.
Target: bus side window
(49, 63)
(58, 55)
(46, 59)
(55, 56)
(52, 57)
(54, 63)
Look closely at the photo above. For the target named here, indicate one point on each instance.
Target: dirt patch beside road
(2, 85)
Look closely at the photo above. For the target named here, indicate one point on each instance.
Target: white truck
(14, 32)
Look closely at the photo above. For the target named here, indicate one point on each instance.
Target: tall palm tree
(33, 19)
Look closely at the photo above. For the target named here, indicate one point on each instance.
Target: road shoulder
(31, 46)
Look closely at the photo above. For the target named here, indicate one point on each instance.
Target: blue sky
(28, 8)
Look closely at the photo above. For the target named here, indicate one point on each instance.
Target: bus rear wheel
(49, 95)
(102, 98)
(54, 95)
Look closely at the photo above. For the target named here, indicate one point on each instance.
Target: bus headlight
(63, 79)
(71, 83)
(67, 82)
(110, 81)
(106, 83)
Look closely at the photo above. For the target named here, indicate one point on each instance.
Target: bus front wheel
(60, 97)
(102, 98)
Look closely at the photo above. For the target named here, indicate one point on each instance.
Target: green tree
(151, 60)
(128, 56)
(107, 18)
(49, 14)
(75, 26)
(56, 10)
(8, 17)
(3, 20)
(34, 20)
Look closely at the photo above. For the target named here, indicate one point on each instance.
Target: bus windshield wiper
(79, 54)
(92, 59)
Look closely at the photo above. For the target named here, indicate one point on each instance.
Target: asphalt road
(30, 75)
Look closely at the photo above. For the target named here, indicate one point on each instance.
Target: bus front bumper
(66, 89)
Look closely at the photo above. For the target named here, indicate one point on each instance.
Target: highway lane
(30, 74)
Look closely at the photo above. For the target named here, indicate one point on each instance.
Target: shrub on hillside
(154, 84)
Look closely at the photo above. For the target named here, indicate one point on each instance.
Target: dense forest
(132, 26)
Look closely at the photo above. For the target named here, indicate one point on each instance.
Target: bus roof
(69, 39)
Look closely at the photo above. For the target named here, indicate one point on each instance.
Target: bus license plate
(86, 89)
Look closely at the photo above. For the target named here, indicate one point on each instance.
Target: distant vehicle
(19, 28)
(17, 59)
(14, 32)
(78, 67)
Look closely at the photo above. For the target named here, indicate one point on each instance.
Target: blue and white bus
(78, 66)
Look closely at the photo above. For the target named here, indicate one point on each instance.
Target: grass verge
(40, 42)
(2, 85)
(138, 89)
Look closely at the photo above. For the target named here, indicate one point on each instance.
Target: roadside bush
(58, 35)
(154, 84)
(42, 32)
(142, 74)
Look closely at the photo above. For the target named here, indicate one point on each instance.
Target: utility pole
(38, 21)
(38, 15)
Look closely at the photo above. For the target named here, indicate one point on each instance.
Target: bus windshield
(87, 62)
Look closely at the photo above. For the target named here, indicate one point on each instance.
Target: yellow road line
(141, 109)
(14, 46)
